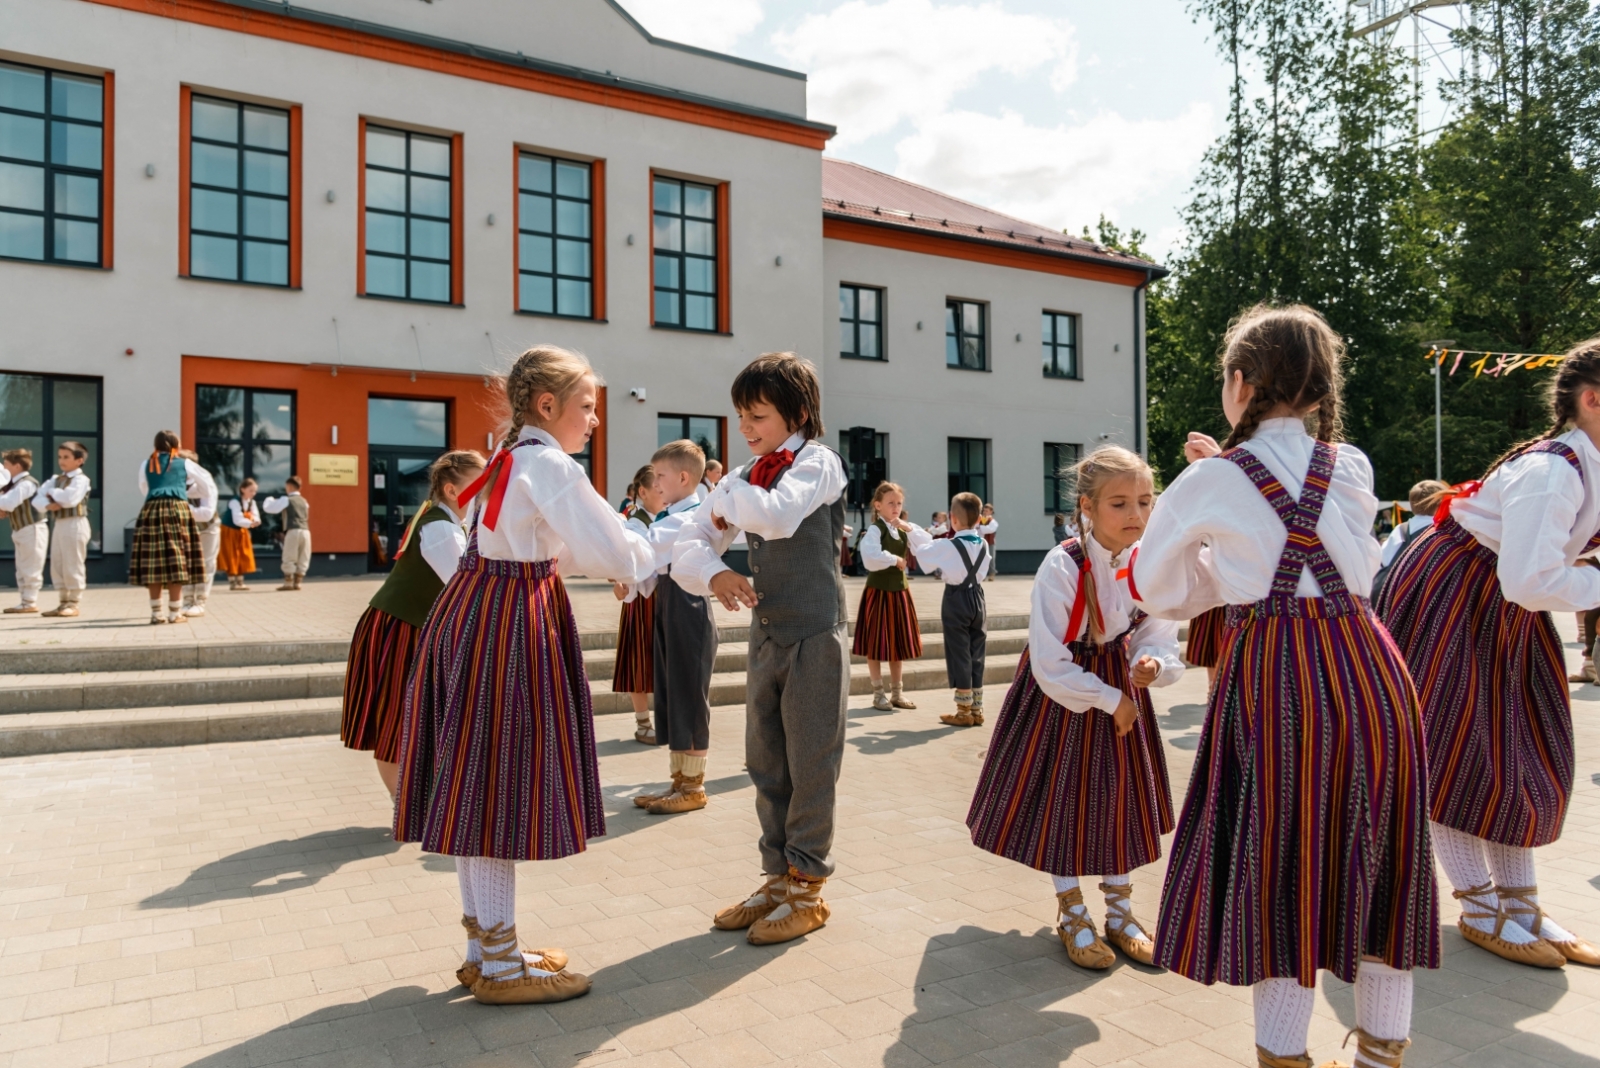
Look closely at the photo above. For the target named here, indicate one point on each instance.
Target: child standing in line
(385, 641)
(30, 531)
(166, 544)
(66, 499)
(1474, 624)
(203, 506)
(962, 560)
(1303, 843)
(296, 512)
(987, 527)
(1075, 780)
(497, 757)
(886, 620)
(236, 552)
(790, 502)
(634, 674)
(685, 639)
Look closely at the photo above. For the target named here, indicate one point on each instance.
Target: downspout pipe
(1140, 444)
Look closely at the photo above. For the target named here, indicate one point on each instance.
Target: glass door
(404, 437)
(247, 433)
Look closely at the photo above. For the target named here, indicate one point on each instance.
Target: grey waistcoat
(294, 516)
(796, 601)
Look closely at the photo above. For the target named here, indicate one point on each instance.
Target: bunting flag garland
(1505, 362)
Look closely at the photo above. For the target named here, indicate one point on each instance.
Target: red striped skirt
(1205, 637)
(636, 629)
(886, 626)
(1303, 842)
(381, 652)
(1060, 792)
(497, 753)
(1492, 678)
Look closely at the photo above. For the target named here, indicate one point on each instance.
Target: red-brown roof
(851, 191)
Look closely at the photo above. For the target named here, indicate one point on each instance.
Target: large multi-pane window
(964, 344)
(704, 430)
(238, 191)
(1060, 333)
(51, 140)
(246, 433)
(1059, 491)
(38, 413)
(555, 254)
(685, 242)
(861, 322)
(408, 216)
(969, 466)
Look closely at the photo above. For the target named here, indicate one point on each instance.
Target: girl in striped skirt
(886, 619)
(1475, 627)
(1075, 782)
(497, 757)
(385, 641)
(635, 672)
(1303, 842)
(166, 543)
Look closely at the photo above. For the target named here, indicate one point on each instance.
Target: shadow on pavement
(274, 868)
(890, 741)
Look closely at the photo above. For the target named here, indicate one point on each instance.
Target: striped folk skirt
(381, 652)
(1205, 637)
(1303, 843)
(236, 555)
(1492, 678)
(1060, 792)
(636, 637)
(497, 751)
(886, 626)
(166, 545)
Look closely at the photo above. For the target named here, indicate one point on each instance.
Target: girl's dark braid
(1262, 401)
(518, 388)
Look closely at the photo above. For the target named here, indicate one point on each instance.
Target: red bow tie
(769, 467)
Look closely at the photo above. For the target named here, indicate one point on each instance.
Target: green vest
(168, 479)
(412, 587)
(890, 578)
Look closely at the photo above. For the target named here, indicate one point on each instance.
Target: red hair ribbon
(1460, 490)
(497, 492)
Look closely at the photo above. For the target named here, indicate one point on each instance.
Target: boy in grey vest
(296, 511)
(790, 504)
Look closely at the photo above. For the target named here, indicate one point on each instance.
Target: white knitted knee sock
(1466, 865)
(1131, 928)
(1283, 1016)
(1064, 883)
(1513, 867)
(468, 906)
(1383, 1004)
(494, 891)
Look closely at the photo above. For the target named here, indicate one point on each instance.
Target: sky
(1056, 111)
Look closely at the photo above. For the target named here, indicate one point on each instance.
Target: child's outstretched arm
(697, 556)
(815, 479)
(1154, 650)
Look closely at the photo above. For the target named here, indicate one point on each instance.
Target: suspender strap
(1302, 548)
(970, 562)
(1081, 605)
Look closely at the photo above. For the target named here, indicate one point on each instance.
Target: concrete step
(28, 733)
(21, 694)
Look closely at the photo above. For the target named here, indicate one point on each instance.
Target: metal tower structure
(1435, 56)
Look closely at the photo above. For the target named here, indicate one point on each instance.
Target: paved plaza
(241, 905)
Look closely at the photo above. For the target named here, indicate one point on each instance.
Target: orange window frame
(458, 284)
(296, 182)
(597, 233)
(724, 249)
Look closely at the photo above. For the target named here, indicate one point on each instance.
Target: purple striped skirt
(636, 628)
(497, 753)
(886, 626)
(381, 653)
(1060, 792)
(1303, 842)
(1205, 637)
(1492, 678)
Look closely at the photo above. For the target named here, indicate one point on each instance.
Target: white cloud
(713, 24)
(873, 65)
(1061, 176)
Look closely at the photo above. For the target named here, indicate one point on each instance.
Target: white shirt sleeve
(1172, 569)
(987, 528)
(1391, 545)
(815, 478)
(274, 505)
(1539, 503)
(442, 546)
(144, 483)
(873, 554)
(1158, 638)
(13, 498)
(77, 488)
(204, 487)
(697, 552)
(236, 513)
(1062, 679)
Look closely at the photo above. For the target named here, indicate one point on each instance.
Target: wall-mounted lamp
(778, 262)
(1019, 337)
(149, 170)
(491, 218)
(336, 433)
(630, 239)
(332, 196)
(1116, 348)
(919, 324)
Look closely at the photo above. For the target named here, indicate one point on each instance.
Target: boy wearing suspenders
(962, 560)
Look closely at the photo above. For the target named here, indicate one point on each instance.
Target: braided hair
(1091, 474)
(1578, 370)
(542, 369)
(1290, 356)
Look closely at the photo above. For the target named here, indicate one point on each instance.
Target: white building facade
(302, 234)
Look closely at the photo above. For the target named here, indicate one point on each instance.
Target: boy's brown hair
(455, 468)
(683, 454)
(788, 382)
(75, 448)
(292, 480)
(966, 506)
(1426, 496)
(23, 458)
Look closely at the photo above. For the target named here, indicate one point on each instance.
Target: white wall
(921, 402)
(79, 321)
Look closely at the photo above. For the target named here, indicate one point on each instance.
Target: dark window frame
(372, 395)
(51, 169)
(961, 480)
(1052, 368)
(263, 540)
(1056, 483)
(555, 236)
(451, 222)
(44, 467)
(856, 322)
(722, 432)
(239, 237)
(681, 256)
(955, 330)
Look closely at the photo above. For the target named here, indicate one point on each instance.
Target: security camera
(637, 393)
